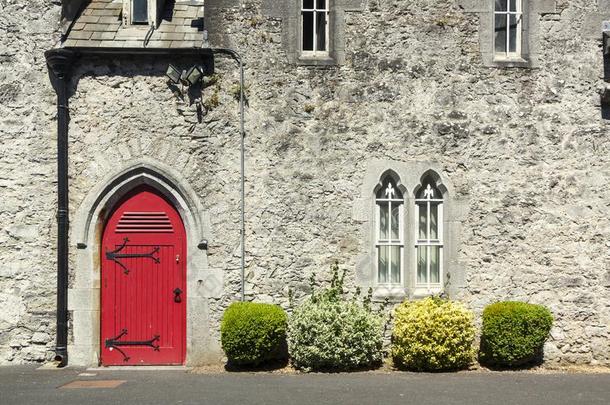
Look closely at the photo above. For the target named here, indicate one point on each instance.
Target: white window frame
(428, 287)
(518, 13)
(390, 242)
(316, 53)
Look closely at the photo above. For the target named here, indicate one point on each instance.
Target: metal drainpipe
(242, 132)
(60, 64)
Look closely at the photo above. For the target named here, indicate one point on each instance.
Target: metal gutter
(60, 62)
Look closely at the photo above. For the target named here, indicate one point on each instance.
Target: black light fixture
(187, 77)
(193, 75)
(173, 74)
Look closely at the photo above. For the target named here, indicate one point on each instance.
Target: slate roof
(100, 25)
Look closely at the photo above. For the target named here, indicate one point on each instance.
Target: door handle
(177, 297)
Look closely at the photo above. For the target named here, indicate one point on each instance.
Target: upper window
(508, 18)
(389, 241)
(314, 27)
(429, 235)
(139, 11)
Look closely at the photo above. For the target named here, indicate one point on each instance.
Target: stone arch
(436, 178)
(171, 184)
(394, 176)
(86, 233)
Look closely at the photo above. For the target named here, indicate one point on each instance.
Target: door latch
(177, 297)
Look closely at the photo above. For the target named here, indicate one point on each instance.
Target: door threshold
(140, 368)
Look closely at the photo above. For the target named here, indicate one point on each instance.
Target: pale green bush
(328, 332)
(432, 334)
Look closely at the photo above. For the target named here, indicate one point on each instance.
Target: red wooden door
(143, 319)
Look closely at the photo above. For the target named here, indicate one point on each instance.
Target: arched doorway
(143, 282)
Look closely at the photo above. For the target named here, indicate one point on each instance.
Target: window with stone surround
(332, 13)
(429, 237)
(508, 20)
(314, 28)
(389, 214)
(412, 220)
(495, 44)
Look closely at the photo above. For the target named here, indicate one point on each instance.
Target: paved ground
(26, 385)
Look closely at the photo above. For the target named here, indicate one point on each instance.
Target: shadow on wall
(605, 92)
(153, 67)
(141, 65)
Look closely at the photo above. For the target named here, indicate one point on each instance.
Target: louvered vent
(157, 222)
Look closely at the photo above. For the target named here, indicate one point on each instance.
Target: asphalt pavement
(28, 385)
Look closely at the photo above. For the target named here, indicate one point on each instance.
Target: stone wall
(526, 148)
(27, 181)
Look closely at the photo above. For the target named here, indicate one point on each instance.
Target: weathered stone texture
(27, 185)
(527, 149)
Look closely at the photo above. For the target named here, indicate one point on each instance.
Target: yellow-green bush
(432, 335)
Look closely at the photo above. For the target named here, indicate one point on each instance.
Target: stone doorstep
(140, 368)
(52, 366)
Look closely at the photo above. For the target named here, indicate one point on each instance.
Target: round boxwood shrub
(433, 334)
(333, 334)
(253, 333)
(514, 333)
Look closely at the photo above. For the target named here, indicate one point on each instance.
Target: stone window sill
(311, 60)
(393, 293)
(423, 292)
(510, 63)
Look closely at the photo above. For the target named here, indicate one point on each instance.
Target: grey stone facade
(523, 151)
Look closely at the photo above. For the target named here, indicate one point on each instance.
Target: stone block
(83, 299)
(592, 24)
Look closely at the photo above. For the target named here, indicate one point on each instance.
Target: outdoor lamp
(193, 75)
(173, 74)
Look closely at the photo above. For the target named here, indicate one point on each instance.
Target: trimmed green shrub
(329, 332)
(433, 334)
(514, 333)
(253, 333)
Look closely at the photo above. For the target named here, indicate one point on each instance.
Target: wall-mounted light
(173, 74)
(187, 77)
(193, 75)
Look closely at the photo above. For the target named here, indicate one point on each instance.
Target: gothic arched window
(389, 229)
(429, 234)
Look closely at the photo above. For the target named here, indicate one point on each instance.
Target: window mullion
(327, 27)
(428, 220)
(428, 267)
(507, 33)
(315, 30)
(390, 221)
(428, 239)
(519, 17)
(389, 248)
